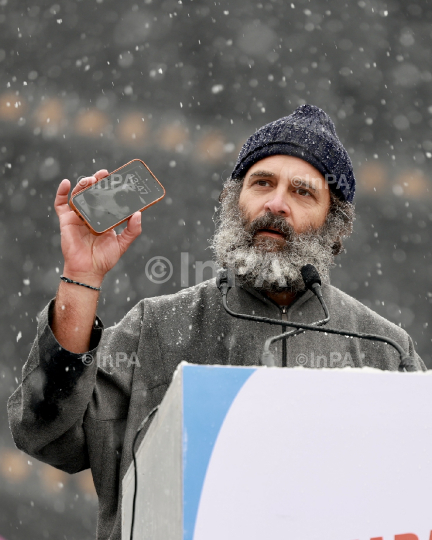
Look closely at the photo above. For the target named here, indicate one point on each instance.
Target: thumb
(61, 201)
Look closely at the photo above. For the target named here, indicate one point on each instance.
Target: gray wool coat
(76, 412)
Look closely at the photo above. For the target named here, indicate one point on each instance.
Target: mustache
(270, 221)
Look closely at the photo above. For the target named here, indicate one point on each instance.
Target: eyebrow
(262, 174)
(300, 182)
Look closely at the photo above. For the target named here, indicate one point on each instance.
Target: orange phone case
(75, 209)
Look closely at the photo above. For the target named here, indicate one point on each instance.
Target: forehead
(282, 166)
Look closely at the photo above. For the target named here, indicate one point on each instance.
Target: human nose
(278, 204)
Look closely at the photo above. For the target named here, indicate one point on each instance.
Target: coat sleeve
(47, 410)
(420, 365)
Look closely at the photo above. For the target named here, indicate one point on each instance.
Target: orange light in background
(84, 479)
(49, 112)
(171, 136)
(132, 129)
(211, 147)
(12, 107)
(415, 184)
(92, 123)
(240, 143)
(14, 465)
(372, 177)
(52, 479)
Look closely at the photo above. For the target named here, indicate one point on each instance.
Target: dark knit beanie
(308, 133)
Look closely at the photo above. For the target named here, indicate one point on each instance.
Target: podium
(262, 453)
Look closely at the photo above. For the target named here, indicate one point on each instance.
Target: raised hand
(88, 257)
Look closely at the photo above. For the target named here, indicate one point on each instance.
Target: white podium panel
(271, 453)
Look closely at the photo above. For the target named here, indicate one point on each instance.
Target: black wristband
(67, 280)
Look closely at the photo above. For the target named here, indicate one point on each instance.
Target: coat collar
(298, 302)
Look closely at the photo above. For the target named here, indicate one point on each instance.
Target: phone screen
(117, 196)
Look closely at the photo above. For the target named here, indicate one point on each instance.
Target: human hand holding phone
(87, 257)
(112, 200)
(90, 245)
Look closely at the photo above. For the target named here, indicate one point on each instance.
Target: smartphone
(113, 199)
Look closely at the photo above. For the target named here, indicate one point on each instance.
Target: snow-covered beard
(266, 263)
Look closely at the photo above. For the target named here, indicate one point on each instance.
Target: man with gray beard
(264, 262)
(287, 203)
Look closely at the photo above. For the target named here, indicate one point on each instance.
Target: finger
(101, 174)
(132, 231)
(83, 183)
(61, 201)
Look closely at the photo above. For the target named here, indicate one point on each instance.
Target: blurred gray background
(181, 84)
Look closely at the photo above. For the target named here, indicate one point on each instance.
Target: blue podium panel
(208, 393)
(259, 453)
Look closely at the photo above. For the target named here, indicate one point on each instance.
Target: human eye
(303, 192)
(261, 182)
